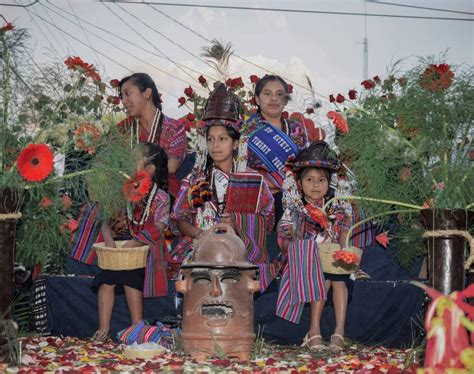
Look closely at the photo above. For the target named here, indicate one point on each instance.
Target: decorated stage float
(408, 139)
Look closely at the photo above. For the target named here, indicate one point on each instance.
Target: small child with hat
(306, 231)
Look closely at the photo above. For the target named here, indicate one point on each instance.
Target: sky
(166, 40)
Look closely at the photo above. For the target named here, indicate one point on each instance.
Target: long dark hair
(233, 134)
(142, 81)
(270, 78)
(156, 156)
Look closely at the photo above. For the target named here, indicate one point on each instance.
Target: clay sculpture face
(218, 286)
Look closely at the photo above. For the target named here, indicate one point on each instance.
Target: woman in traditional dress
(222, 189)
(147, 123)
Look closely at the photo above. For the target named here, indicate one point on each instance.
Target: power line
(51, 19)
(20, 5)
(118, 37)
(236, 55)
(420, 7)
(84, 32)
(119, 48)
(306, 11)
(156, 48)
(99, 52)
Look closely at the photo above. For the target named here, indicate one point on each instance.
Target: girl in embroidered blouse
(303, 227)
(272, 94)
(146, 219)
(203, 199)
(147, 123)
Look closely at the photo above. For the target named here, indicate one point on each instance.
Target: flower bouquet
(52, 123)
(409, 144)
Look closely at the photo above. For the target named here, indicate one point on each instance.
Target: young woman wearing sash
(272, 139)
(222, 189)
(147, 123)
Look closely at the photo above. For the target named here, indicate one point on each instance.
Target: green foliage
(411, 144)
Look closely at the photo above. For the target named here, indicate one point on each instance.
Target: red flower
(229, 82)
(76, 63)
(45, 202)
(254, 79)
(309, 110)
(317, 215)
(181, 101)
(436, 77)
(188, 91)
(252, 101)
(190, 117)
(340, 99)
(35, 162)
(382, 239)
(202, 80)
(290, 88)
(114, 83)
(285, 114)
(237, 82)
(368, 84)
(86, 137)
(376, 79)
(347, 257)
(137, 188)
(8, 27)
(331, 98)
(339, 121)
(352, 94)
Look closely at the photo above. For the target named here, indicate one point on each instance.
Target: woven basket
(142, 353)
(326, 251)
(120, 258)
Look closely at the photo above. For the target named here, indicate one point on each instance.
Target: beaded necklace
(146, 211)
(153, 131)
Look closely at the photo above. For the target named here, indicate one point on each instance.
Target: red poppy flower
(332, 99)
(229, 82)
(202, 80)
(340, 98)
(383, 239)
(181, 101)
(45, 202)
(92, 73)
(368, 84)
(137, 187)
(76, 63)
(347, 257)
(317, 215)
(8, 27)
(190, 117)
(352, 94)
(290, 88)
(339, 121)
(35, 162)
(254, 79)
(114, 83)
(188, 91)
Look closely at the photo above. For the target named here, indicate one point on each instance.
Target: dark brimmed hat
(222, 104)
(317, 154)
(220, 248)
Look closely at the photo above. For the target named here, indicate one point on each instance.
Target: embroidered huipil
(302, 278)
(250, 227)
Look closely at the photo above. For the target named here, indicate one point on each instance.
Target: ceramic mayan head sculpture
(218, 286)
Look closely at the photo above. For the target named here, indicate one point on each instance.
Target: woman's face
(314, 184)
(133, 100)
(220, 145)
(272, 99)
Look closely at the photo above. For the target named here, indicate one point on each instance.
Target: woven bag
(326, 251)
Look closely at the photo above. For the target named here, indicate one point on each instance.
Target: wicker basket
(326, 251)
(142, 353)
(120, 258)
